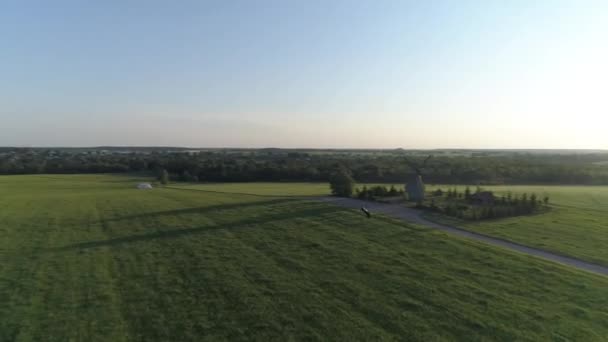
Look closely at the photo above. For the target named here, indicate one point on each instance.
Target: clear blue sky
(379, 74)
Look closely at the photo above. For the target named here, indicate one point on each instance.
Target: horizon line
(305, 148)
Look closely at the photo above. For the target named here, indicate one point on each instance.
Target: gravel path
(414, 216)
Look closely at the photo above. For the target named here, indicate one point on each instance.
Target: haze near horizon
(339, 74)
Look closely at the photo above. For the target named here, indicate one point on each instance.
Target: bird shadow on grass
(176, 233)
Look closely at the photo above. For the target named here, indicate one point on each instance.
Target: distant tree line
(279, 165)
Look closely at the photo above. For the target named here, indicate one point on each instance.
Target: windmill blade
(426, 160)
(412, 165)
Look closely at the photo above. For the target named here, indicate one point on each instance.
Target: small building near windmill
(415, 189)
(144, 186)
(483, 198)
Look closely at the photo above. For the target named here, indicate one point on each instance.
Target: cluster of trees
(287, 165)
(342, 183)
(378, 191)
(463, 204)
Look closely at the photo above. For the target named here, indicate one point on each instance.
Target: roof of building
(484, 196)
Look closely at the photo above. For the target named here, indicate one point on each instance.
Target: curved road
(413, 215)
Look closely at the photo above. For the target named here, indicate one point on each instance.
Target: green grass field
(577, 224)
(260, 188)
(91, 258)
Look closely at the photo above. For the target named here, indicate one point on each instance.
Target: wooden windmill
(415, 185)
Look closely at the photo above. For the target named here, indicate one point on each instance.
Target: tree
(533, 200)
(491, 213)
(450, 210)
(467, 193)
(342, 183)
(393, 191)
(546, 200)
(186, 176)
(164, 177)
(363, 193)
(380, 191)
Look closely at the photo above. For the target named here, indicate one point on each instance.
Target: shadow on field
(579, 208)
(199, 210)
(175, 233)
(239, 193)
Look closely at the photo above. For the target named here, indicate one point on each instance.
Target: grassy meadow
(260, 188)
(92, 258)
(576, 225)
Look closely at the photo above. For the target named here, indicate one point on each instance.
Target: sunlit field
(92, 258)
(576, 225)
(260, 188)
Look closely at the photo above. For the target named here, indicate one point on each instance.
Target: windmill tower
(415, 185)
